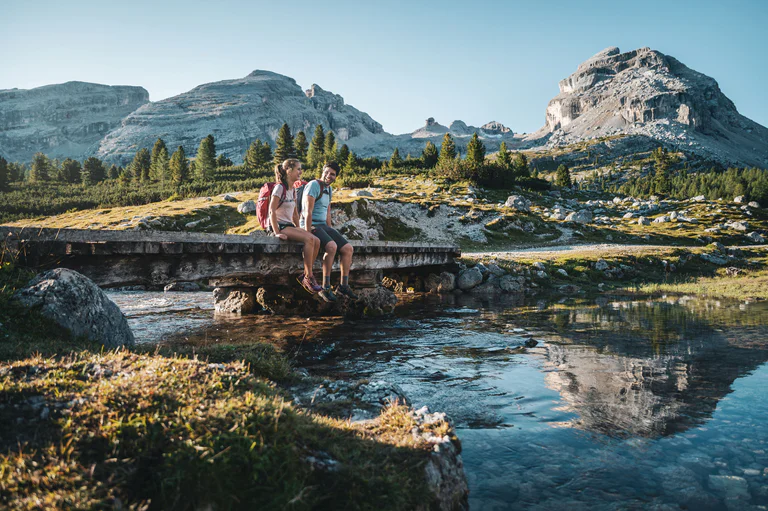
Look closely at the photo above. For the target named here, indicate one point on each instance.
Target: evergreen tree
(447, 157)
(70, 171)
(395, 161)
(54, 170)
(429, 155)
(521, 165)
(253, 157)
(301, 146)
(18, 171)
(223, 161)
(124, 178)
(179, 166)
(158, 167)
(503, 159)
(140, 165)
(113, 172)
(329, 148)
(266, 152)
(93, 171)
(5, 175)
(351, 162)
(205, 161)
(475, 151)
(316, 155)
(343, 153)
(563, 177)
(284, 145)
(39, 170)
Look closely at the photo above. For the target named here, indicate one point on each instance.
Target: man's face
(329, 175)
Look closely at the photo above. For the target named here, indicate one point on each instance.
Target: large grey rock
(377, 301)
(234, 300)
(518, 203)
(247, 207)
(469, 278)
(510, 284)
(653, 98)
(183, 287)
(756, 237)
(580, 217)
(443, 283)
(77, 304)
(361, 193)
(63, 120)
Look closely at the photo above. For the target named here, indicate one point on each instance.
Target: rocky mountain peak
(495, 128)
(646, 93)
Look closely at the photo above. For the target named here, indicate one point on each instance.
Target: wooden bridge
(156, 258)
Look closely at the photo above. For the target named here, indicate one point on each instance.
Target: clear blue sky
(400, 61)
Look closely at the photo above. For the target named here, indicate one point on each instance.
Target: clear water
(656, 404)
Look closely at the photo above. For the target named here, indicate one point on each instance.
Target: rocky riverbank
(178, 427)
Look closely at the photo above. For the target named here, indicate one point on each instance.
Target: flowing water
(622, 404)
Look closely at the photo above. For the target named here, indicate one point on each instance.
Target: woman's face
(294, 173)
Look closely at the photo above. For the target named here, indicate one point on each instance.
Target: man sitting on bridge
(317, 203)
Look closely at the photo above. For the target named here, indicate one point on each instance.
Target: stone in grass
(562, 272)
(601, 265)
(510, 284)
(754, 204)
(756, 237)
(361, 193)
(580, 217)
(229, 198)
(518, 203)
(75, 303)
(469, 278)
(247, 207)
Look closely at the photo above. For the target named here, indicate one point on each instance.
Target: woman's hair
(281, 171)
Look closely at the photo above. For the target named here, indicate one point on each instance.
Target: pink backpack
(262, 205)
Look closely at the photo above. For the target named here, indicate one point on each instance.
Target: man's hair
(333, 165)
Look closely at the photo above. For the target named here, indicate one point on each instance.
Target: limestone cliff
(237, 112)
(67, 119)
(649, 94)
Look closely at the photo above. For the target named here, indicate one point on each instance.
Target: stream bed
(621, 404)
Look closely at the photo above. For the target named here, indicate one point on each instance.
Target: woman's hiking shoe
(310, 284)
(344, 289)
(327, 295)
(317, 287)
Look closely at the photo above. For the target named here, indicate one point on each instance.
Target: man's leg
(330, 254)
(345, 262)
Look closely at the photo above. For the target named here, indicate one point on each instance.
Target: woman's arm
(274, 203)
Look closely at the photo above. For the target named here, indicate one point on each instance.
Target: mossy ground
(176, 428)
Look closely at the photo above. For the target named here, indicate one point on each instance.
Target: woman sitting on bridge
(284, 217)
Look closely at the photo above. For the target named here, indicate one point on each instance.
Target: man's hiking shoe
(345, 290)
(309, 283)
(327, 295)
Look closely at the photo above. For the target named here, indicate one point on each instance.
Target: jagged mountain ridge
(647, 94)
(64, 120)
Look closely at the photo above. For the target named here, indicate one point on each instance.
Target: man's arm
(307, 211)
(328, 216)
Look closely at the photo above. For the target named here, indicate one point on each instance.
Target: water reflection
(623, 404)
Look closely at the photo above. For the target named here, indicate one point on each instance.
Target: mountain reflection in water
(622, 405)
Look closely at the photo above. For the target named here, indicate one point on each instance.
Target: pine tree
(563, 177)
(140, 165)
(223, 161)
(503, 158)
(521, 166)
(301, 146)
(124, 178)
(179, 166)
(351, 162)
(5, 175)
(447, 157)
(158, 166)
(266, 153)
(113, 172)
(54, 170)
(329, 147)
(284, 145)
(253, 159)
(70, 171)
(39, 170)
(395, 161)
(343, 153)
(316, 155)
(205, 161)
(93, 171)
(475, 151)
(429, 155)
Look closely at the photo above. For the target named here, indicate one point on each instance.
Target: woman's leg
(311, 246)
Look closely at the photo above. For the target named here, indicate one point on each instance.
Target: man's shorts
(327, 234)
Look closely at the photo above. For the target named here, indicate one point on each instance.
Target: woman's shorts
(327, 234)
(280, 225)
